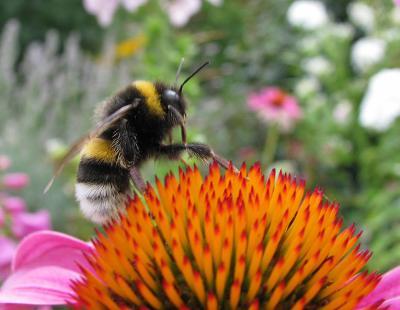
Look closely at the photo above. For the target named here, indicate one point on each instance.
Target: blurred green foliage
(52, 89)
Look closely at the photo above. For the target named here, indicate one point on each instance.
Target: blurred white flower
(342, 112)
(361, 15)
(310, 44)
(307, 86)
(396, 15)
(307, 14)
(342, 30)
(381, 103)
(317, 102)
(367, 52)
(53, 145)
(215, 2)
(317, 66)
(132, 5)
(391, 34)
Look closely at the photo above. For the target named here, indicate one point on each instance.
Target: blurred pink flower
(274, 105)
(24, 223)
(5, 162)
(388, 291)
(397, 2)
(43, 267)
(15, 180)
(1, 217)
(103, 9)
(7, 249)
(180, 11)
(13, 204)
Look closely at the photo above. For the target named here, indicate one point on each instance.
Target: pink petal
(271, 92)
(391, 304)
(23, 307)
(43, 267)
(5, 162)
(387, 289)
(397, 2)
(292, 108)
(7, 249)
(256, 101)
(16, 180)
(14, 204)
(24, 223)
(265, 104)
(1, 217)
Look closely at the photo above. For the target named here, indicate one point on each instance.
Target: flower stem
(270, 145)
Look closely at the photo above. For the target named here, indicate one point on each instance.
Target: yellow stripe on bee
(100, 149)
(148, 90)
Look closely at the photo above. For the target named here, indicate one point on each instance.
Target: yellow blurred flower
(129, 47)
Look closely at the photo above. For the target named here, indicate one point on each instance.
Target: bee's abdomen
(102, 184)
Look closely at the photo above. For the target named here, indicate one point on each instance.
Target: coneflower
(225, 242)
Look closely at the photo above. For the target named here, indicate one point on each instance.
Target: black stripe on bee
(96, 172)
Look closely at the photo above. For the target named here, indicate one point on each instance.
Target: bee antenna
(192, 75)
(178, 72)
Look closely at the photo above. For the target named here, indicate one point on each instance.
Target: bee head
(175, 105)
(173, 101)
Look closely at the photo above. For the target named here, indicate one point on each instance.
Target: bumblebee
(132, 128)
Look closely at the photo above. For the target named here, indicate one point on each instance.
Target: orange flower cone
(228, 241)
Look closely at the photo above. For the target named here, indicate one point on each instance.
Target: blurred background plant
(335, 60)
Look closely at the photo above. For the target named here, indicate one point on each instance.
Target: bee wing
(78, 145)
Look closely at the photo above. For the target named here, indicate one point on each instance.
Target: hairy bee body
(102, 182)
(103, 175)
(131, 128)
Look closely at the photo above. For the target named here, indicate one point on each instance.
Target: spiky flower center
(225, 242)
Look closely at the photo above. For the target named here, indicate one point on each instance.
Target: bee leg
(172, 151)
(204, 152)
(137, 179)
(201, 151)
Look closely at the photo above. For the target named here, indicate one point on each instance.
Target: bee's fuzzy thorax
(152, 97)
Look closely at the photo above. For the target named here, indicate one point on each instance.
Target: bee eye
(170, 96)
